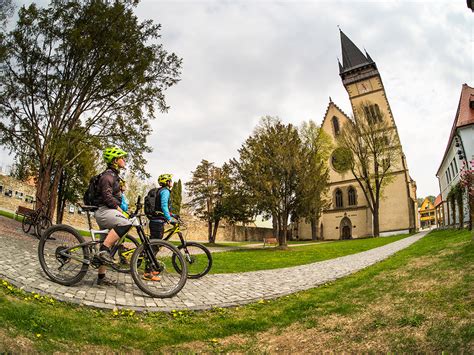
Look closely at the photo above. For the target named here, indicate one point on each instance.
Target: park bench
(269, 240)
(24, 211)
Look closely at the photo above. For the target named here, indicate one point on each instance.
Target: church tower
(348, 214)
(362, 80)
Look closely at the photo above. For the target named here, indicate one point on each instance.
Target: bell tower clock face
(363, 87)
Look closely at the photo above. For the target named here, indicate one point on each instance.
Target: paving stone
(19, 254)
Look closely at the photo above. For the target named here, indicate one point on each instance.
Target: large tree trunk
(275, 225)
(214, 232)
(314, 228)
(376, 221)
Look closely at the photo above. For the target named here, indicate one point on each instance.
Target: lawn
(419, 300)
(273, 258)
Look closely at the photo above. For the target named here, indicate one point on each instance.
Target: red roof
(464, 115)
(438, 200)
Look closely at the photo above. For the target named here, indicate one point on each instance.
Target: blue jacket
(165, 203)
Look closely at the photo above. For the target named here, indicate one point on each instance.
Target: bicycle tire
(26, 223)
(124, 255)
(198, 261)
(171, 281)
(54, 241)
(43, 223)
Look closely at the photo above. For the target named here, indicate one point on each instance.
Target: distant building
(349, 215)
(459, 153)
(427, 214)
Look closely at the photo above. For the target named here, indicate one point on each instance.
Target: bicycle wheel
(42, 224)
(123, 255)
(198, 259)
(171, 280)
(60, 257)
(26, 223)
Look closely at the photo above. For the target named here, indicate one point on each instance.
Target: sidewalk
(19, 265)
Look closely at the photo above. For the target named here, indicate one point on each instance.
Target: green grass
(273, 258)
(11, 215)
(419, 300)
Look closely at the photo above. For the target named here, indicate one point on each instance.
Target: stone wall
(14, 193)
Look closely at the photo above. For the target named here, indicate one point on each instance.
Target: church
(348, 215)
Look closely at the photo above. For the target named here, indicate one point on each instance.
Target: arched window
(372, 114)
(335, 125)
(351, 196)
(338, 196)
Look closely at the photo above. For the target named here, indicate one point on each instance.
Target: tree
(6, 10)
(314, 175)
(269, 165)
(81, 73)
(373, 151)
(205, 195)
(136, 187)
(177, 197)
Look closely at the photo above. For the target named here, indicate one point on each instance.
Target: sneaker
(105, 257)
(150, 276)
(106, 282)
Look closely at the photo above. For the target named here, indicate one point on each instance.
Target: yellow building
(426, 213)
(349, 215)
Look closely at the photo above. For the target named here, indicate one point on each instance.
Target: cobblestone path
(19, 265)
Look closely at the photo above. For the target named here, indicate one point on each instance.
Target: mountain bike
(65, 256)
(197, 256)
(36, 218)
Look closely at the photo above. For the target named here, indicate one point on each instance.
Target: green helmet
(113, 152)
(164, 178)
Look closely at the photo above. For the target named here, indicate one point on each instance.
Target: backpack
(91, 195)
(150, 203)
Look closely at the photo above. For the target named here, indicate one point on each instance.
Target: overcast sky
(246, 59)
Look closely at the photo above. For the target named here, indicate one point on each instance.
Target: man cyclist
(110, 215)
(161, 216)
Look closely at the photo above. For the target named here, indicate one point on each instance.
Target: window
(372, 114)
(338, 195)
(449, 175)
(447, 178)
(29, 198)
(71, 209)
(335, 125)
(19, 195)
(8, 192)
(455, 165)
(351, 194)
(1, 188)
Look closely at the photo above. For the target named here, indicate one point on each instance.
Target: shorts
(108, 218)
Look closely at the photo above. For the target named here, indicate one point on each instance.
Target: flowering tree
(467, 182)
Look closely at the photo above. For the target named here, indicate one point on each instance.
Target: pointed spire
(368, 57)
(351, 55)
(330, 100)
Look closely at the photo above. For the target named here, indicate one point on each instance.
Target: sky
(245, 59)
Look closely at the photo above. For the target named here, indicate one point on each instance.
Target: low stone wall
(14, 193)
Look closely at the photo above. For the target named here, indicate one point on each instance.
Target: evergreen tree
(176, 197)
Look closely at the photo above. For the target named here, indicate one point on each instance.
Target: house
(427, 214)
(458, 156)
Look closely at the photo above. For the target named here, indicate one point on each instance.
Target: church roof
(352, 57)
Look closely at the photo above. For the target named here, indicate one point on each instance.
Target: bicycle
(197, 256)
(37, 218)
(65, 256)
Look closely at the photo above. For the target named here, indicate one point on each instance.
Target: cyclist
(161, 216)
(110, 215)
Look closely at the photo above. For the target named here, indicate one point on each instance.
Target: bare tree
(373, 151)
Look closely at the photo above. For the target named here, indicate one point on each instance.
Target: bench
(269, 240)
(24, 211)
